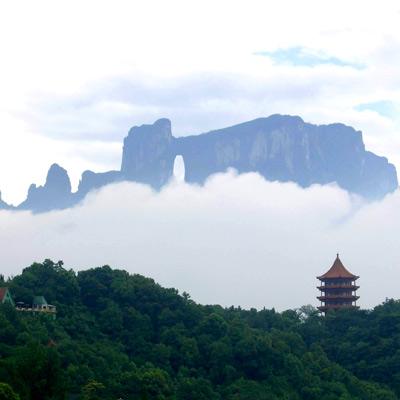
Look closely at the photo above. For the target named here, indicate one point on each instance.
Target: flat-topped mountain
(281, 148)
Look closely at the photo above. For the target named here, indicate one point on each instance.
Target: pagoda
(338, 288)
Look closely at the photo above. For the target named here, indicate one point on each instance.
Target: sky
(76, 76)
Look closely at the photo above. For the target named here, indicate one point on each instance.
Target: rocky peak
(4, 205)
(54, 195)
(57, 180)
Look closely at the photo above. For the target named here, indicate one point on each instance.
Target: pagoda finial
(337, 255)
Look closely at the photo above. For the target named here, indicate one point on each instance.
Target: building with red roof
(338, 288)
(5, 296)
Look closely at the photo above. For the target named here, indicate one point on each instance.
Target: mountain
(281, 148)
(54, 195)
(4, 205)
(91, 180)
(149, 153)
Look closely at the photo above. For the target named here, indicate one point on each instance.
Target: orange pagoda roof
(338, 271)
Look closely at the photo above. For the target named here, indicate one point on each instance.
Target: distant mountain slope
(281, 148)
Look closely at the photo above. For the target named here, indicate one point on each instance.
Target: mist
(237, 240)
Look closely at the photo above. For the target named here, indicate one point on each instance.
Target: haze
(239, 240)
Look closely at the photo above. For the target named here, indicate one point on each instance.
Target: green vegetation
(122, 336)
(6, 392)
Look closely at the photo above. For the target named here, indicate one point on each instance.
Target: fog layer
(239, 240)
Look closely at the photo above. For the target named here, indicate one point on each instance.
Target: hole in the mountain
(179, 168)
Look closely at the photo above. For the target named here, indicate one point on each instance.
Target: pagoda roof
(338, 271)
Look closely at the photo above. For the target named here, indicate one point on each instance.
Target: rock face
(54, 195)
(149, 153)
(281, 148)
(92, 181)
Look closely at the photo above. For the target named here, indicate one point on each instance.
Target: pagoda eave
(331, 278)
(335, 307)
(338, 297)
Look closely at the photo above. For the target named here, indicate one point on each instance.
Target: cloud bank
(239, 240)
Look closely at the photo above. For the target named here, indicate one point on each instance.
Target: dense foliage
(122, 336)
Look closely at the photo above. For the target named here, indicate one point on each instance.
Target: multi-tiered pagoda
(338, 288)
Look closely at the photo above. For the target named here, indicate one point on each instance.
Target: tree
(7, 393)
(36, 372)
(46, 279)
(195, 389)
(93, 390)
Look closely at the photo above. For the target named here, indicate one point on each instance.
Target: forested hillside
(122, 336)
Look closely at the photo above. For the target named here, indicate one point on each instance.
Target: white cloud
(238, 240)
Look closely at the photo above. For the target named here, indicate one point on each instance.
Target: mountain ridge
(280, 147)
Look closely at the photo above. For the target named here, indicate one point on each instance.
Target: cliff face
(148, 155)
(281, 148)
(56, 193)
(92, 181)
